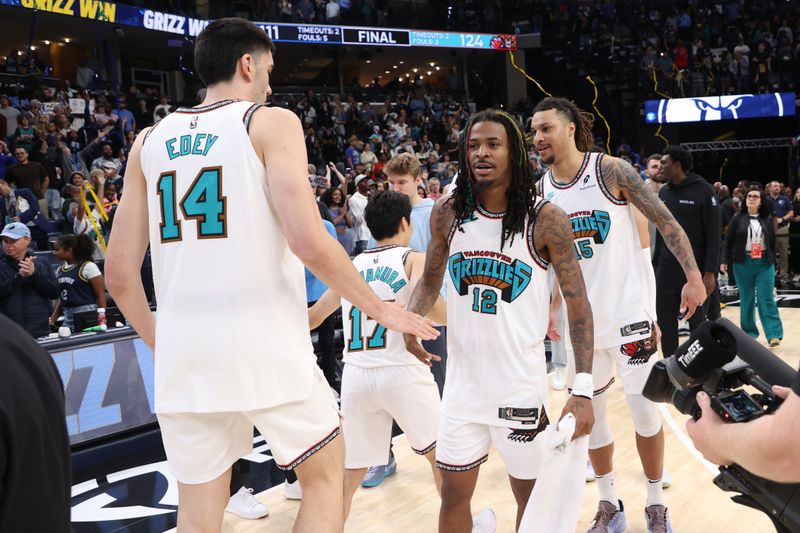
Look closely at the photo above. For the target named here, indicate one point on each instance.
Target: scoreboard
(138, 17)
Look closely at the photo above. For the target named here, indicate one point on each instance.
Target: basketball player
(403, 172)
(381, 380)
(222, 190)
(596, 191)
(497, 240)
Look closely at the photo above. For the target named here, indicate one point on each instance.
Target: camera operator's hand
(584, 415)
(706, 433)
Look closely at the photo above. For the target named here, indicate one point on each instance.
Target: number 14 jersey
(232, 322)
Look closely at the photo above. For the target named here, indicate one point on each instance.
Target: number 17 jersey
(367, 343)
(232, 322)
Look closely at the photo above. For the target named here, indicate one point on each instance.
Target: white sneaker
(559, 380)
(245, 505)
(292, 491)
(484, 522)
(590, 475)
(666, 480)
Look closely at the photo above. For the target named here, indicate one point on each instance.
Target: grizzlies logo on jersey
(492, 269)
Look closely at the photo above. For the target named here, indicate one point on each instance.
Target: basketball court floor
(144, 498)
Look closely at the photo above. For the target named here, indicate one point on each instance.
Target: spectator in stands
(357, 204)
(781, 209)
(21, 205)
(164, 105)
(6, 159)
(332, 12)
(11, 115)
(334, 200)
(125, 116)
(352, 154)
(142, 114)
(101, 118)
(26, 286)
(368, 158)
(25, 135)
(107, 157)
(750, 248)
(27, 174)
(434, 189)
(80, 283)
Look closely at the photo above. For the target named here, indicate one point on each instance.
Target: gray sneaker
(609, 519)
(657, 518)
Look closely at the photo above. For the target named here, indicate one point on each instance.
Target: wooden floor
(407, 502)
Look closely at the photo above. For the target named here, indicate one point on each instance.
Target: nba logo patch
(193, 123)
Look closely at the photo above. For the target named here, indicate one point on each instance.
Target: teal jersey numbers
(202, 202)
(376, 341)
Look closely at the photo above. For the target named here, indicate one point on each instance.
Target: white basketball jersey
(608, 249)
(367, 344)
(232, 322)
(497, 310)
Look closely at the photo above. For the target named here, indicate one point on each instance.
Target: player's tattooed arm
(554, 239)
(427, 289)
(619, 175)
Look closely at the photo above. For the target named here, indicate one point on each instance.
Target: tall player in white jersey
(220, 194)
(496, 240)
(381, 380)
(597, 191)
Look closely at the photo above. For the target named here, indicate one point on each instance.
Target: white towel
(555, 503)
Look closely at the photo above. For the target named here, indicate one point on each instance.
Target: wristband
(583, 385)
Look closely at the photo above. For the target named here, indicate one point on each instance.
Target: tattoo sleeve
(553, 233)
(427, 289)
(621, 176)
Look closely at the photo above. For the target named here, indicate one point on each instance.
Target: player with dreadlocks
(599, 193)
(496, 240)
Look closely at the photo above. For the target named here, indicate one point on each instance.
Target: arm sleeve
(712, 222)
(33, 206)
(90, 271)
(356, 212)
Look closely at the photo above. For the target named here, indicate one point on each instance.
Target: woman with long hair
(750, 249)
(336, 203)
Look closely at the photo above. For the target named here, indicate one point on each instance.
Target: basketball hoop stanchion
(596, 110)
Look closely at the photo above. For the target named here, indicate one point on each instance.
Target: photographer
(766, 446)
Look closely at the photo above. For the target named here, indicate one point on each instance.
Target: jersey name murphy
(493, 269)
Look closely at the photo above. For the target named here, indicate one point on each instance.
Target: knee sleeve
(646, 418)
(601, 435)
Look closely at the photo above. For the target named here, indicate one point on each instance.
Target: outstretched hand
(416, 349)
